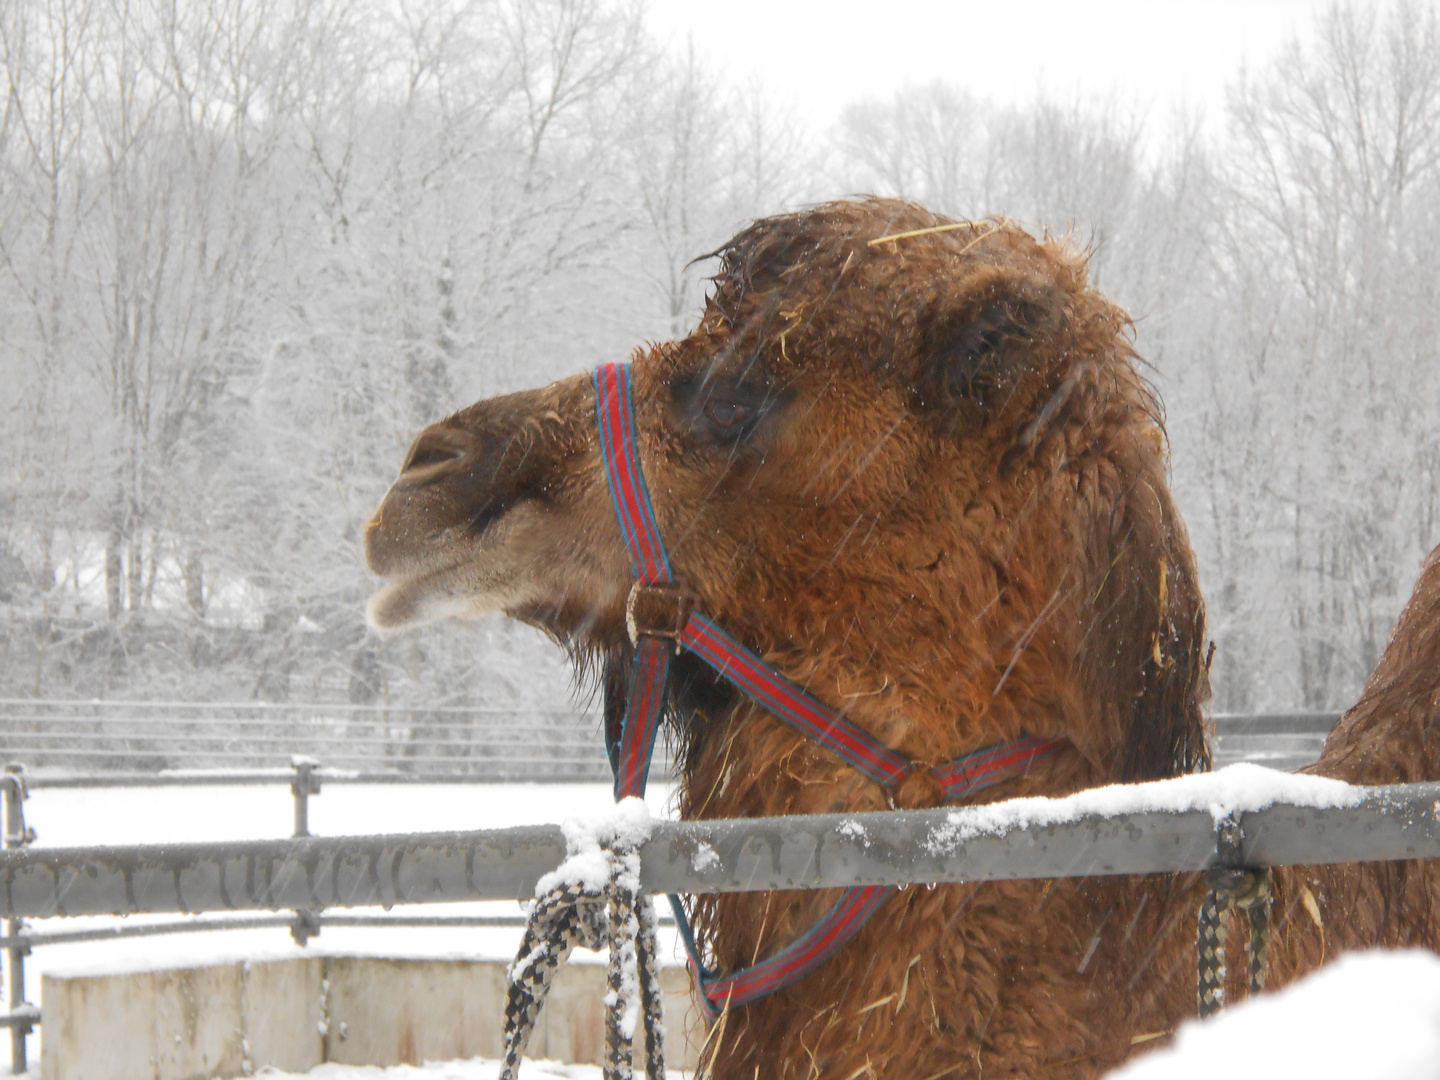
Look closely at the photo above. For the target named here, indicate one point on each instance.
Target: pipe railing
(195, 925)
(899, 847)
(304, 777)
(494, 744)
(306, 875)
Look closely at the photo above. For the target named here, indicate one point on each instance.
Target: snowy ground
(1367, 1016)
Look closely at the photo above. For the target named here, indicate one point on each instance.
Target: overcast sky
(819, 55)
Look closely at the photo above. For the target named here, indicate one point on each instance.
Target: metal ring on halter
(658, 609)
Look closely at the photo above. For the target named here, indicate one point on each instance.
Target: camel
(912, 464)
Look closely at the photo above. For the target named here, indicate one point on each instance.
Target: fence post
(17, 834)
(302, 785)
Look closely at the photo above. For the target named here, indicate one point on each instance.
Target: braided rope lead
(1254, 900)
(614, 915)
(1210, 945)
(648, 960)
(560, 920)
(1231, 887)
(620, 999)
(633, 975)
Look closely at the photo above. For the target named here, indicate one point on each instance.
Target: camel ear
(977, 346)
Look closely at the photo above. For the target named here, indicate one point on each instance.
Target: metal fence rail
(33, 940)
(1283, 741)
(305, 875)
(800, 852)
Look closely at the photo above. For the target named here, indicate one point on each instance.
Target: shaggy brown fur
(924, 479)
(1390, 736)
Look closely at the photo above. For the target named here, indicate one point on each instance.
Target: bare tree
(931, 143)
(1331, 391)
(704, 158)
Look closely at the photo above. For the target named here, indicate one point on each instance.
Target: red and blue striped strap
(814, 947)
(967, 775)
(734, 662)
(614, 408)
(645, 704)
(615, 411)
(984, 768)
(643, 710)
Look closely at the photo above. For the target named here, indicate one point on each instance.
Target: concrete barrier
(229, 1020)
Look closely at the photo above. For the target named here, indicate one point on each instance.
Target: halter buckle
(657, 609)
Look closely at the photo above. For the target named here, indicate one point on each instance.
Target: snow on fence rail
(1127, 829)
(485, 744)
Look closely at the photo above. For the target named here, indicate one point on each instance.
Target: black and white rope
(614, 916)
(1229, 888)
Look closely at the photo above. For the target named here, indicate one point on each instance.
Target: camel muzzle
(450, 536)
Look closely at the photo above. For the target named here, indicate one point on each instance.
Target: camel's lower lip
(455, 574)
(404, 601)
(455, 590)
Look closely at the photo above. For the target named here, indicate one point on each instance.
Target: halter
(661, 621)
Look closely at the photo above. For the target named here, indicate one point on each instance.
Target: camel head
(922, 476)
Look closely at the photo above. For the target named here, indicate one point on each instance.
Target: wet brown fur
(951, 521)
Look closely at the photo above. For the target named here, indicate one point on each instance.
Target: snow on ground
(68, 816)
(1367, 1016)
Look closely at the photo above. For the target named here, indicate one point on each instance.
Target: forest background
(249, 247)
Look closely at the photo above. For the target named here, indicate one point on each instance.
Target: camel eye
(725, 414)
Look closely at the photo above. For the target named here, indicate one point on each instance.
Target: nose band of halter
(661, 621)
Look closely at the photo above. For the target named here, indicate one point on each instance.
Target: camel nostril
(435, 446)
